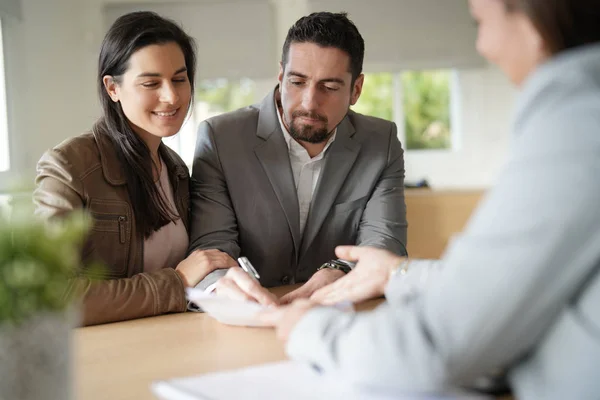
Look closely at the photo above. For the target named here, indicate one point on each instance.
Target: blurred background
(453, 110)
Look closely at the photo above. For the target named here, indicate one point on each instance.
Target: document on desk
(283, 380)
(225, 310)
(236, 312)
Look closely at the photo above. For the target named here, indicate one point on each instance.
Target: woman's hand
(201, 263)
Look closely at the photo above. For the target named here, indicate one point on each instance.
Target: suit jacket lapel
(339, 160)
(274, 157)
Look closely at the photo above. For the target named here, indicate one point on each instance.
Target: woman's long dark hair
(563, 24)
(128, 34)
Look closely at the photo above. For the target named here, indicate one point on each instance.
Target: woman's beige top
(166, 247)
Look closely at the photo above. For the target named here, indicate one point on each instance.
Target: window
(4, 145)
(418, 101)
(212, 97)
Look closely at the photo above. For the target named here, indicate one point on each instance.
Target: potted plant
(38, 260)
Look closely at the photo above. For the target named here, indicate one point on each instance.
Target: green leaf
(38, 260)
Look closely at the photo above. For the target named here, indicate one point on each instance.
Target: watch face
(335, 264)
(342, 266)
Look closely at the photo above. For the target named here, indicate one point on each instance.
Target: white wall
(50, 81)
(51, 67)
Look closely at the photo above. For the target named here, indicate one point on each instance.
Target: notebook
(287, 380)
(236, 312)
(225, 310)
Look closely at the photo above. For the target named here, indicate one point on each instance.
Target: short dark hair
(128, 34)
(563, 24)
(328, 29)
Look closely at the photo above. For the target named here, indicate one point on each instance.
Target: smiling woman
(135, 187)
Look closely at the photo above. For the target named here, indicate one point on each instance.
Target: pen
(247, 266)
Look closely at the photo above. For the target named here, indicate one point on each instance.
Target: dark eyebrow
(157, 75)
(326, 80)
(333, 80)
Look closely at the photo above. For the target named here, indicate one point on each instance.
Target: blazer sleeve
(60, 191)
(383, 223)
(504, 281)
(213, 221)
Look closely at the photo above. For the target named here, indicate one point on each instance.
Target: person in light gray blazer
(519, 290)
(285, 181)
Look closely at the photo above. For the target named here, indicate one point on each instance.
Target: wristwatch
(340, 265)
(401, 268)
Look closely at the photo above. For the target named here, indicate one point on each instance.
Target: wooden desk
(118, 361)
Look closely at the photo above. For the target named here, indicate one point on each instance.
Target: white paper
(283, 380)
(226, 310)
(237, 312)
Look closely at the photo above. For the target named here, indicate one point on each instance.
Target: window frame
(5, 137)
(176, 142)
(398, 113)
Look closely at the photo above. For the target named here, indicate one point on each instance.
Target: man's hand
(319, 279)
(367, 280)
(285, 318)
(202, 262)
(237, 284)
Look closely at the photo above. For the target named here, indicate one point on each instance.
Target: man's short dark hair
(328, 29)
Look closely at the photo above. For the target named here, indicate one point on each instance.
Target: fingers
(320, 279)
(288, 298)
(301, 292)
(236, 281)
(338, 286)
(215, 259)
(226, 260)
(285, 318)
(351, 291)
(272, 316)
(349, 253)
(320, 295)
(348, 288)
(228, 288)
(356, 253)
(211, 260)
(337, 297)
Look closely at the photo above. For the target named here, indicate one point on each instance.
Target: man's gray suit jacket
(244, 201)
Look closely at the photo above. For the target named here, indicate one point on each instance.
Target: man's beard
(308, 133)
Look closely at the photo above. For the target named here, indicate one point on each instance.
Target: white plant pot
(35, 358)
